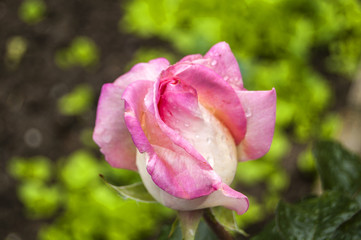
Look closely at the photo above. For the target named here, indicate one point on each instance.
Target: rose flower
(185, 126)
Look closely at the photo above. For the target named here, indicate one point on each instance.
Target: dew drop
(209, 141)
(214, 62)
(210, 161)
(225, 78)
(248, 113)
(197, 136)
(186, 125)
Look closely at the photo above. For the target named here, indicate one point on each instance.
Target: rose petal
(143, 71)
(229, 198)
(178, 107)
(180, 174)
(260, 108)
(171, 167)
(134, 96)
(191, 58)
(223, 62)
(215, 94)
(110, 132)
(225, 196)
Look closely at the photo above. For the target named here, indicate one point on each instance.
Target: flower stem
(189, 221)
(217, 228)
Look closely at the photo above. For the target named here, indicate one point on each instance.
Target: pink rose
(184, 127)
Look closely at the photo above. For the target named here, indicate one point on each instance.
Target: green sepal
(227, 219)
(135, 191)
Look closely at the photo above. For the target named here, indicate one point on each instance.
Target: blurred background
(55, 56)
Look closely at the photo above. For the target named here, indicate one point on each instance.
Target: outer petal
(260, 107)
(110, 132)
(143, 71)
(191, 58)
(223, 62)
(180, 174)
(215, 94)
(134, 96)
(224, 196)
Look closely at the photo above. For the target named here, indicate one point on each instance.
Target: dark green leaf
(315, 218)
(339, 169)
(350, 230)
(135, 191)
(171, 232)
(270, 232)
(204, 232)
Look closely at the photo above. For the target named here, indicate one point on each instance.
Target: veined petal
(180, 174)
(229, 198)
(260, 107)
(215, 94)
(134, 96)
(110, 132)
(223, 62)
(143, 71)
(190, 58)
(224, 196)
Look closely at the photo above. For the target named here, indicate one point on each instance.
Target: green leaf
(315, 218)
(339, 169)
(350, 230)
(226, 218)
(204, 232)
(135, 191)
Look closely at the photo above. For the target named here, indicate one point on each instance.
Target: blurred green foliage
(85, 208)
(32, 11)
(15, 48)
(306, 162)
(147, 54)
(81, 52)
(77, 102)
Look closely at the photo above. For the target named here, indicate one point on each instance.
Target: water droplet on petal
(225, 78)
(197, 136)
(214, 62)
(210, 161)
(209, 141)
(186, 125)
(248, 113)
